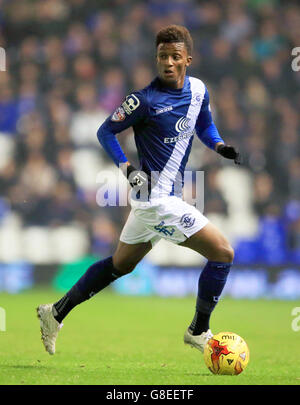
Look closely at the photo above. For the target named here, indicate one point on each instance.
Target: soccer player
(165, 116)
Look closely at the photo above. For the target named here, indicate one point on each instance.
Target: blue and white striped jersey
(164, 121)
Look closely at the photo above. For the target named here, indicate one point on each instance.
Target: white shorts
(168, 217)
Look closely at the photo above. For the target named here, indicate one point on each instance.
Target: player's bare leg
(96, 278)
(127, 256)
(210, 243)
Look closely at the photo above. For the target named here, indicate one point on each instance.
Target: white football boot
(197, 341)
(49, 327)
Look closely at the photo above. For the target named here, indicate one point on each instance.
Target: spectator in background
(78, 40)
(264, 194)
(104, 236)
(62, 206)
(87, 117)
(256, 94)
(38, 176)
(214, 201)
(8, 177)
(64, 164)
(228, 105)
(111, 92)
(238, 25)
(284, 150)
(140, 76)
(256, 153)
(294, 239)
(269, 42)
(218, 62)
(9, 112)
(245, 64)
(274, 77)
(294, 178)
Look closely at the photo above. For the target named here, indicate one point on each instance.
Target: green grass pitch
(120, 340)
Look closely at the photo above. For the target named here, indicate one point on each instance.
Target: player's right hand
(136, 178)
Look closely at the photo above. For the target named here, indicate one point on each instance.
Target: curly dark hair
(175, 33)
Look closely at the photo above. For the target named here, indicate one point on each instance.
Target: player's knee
(124, 267)
(226, 253)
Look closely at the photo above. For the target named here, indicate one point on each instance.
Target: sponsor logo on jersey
(178, 137)
(163, 110)
(131, 103)
(187, 220)
(183, 125)
(118, 115)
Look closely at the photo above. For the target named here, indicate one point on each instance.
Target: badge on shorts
(166, 230)
(118, 115)
(187, 220)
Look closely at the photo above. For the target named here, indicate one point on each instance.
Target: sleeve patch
(118, 115)
(130, 104)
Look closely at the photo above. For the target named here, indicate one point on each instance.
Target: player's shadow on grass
(199, 374)
(27, 366)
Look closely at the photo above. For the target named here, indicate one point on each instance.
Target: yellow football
(226, 353)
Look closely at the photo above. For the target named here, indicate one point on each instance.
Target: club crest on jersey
(196, 99)
(131, 103)
(187, 220)
(118, 115)
(183, 124)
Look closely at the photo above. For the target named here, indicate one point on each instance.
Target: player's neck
(178, 85)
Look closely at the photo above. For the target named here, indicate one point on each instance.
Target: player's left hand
(229, 152)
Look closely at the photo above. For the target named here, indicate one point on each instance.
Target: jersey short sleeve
(132, 111)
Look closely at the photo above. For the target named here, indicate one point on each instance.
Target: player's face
(172, 60)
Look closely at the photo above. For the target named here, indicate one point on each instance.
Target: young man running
(165, 116)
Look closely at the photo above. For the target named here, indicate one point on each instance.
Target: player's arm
(133, 110)
(208, 133)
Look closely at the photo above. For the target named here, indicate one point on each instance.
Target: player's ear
(156, 55)
(189, 60)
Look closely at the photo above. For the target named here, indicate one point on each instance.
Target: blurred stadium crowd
(69, 64)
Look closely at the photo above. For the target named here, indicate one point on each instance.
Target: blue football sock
(98, 276)
(210, 286)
